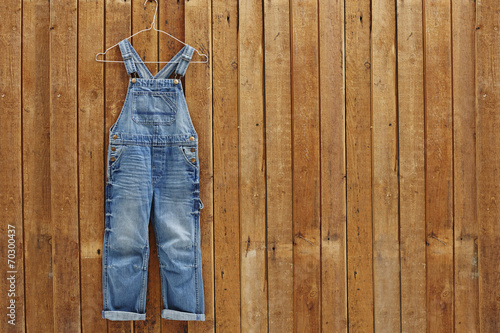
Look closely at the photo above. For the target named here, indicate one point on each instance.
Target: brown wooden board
(226, 166)
(278, 124)
(410, 60)
(385, 183)
(36, 166)
(11, 170)
(252, 184)
(333, 176)
(488, 162)
(64, 165)
(359, 166)
(464, 178)
(306, 166)
(91, 174)
(439, 165)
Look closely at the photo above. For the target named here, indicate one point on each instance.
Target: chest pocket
(154, 107)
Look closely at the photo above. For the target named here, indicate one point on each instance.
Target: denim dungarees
(153, 172)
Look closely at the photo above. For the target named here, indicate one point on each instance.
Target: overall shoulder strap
(133, 63)
(184, 60)
(179, 62)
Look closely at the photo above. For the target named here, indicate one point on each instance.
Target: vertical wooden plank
(411, 165)
(439, 165)
(226, 166)
(199, 99)
(145, 44)
(36, 166)
(11, 196)
(278, 119)
(91, 160)
(117, 27)
(385, 192)
(64, 165)
(306, 166)
(464, 117)
(170, 19)
(488, 161)
(358, 166)
(333, 176)
(252, 168)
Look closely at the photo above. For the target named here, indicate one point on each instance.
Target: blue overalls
(153, 172)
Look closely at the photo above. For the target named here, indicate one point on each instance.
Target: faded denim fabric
(153, 172)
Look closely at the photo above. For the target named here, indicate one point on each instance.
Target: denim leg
(176, 224)
(126, 246)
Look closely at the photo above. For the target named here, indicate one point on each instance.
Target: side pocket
(115, 155)
(190, 154)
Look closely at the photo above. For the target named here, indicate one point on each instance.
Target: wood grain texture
(439, 165)
(333, 173)
(322, 124)
(91, 160)
(277, 60)
(306, 167)
(464, 178)
(64, 165)
(411, 165)
(171, 15)
(199, 98)
(385, 185)
(11, 170)
(252, 168)
(226, 166)
(359, 166)
(488, 161)
(36, 166)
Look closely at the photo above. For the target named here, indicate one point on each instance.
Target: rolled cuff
(123, 315)
(179, 315)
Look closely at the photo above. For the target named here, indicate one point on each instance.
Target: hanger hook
(152, 26)
(156, 11)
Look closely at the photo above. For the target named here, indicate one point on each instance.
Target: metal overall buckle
(177, 78)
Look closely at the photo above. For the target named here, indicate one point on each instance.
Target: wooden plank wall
(349, 155)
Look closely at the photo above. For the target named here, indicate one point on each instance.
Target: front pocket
(154, 107)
